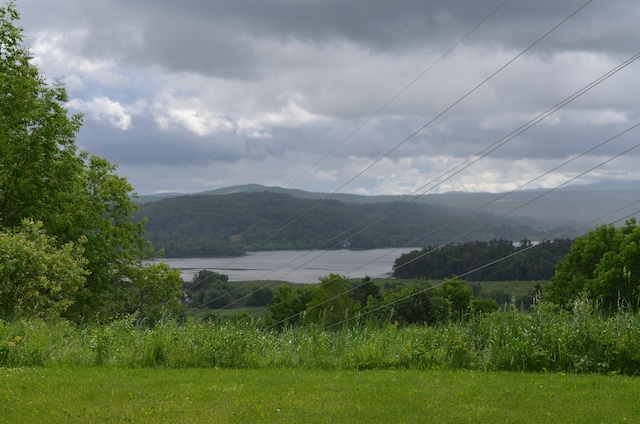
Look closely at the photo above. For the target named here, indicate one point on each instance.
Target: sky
(354, 96)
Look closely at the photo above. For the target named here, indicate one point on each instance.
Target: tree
(155, 292)
(37, 278)
(205, 279)
(259, 295)
(38, 152)
(603, 266)
(617, 276)
(330, 302)
(288, 305)
(412, 304)
(457, 294)
(361, 292)
(76, 196)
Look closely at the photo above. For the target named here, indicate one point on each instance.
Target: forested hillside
(563, 208)
(230, 224)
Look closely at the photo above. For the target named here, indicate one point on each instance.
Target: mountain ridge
(234, 223)
(566, 206)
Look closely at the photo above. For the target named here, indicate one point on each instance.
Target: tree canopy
(603, 266)
(74, 197)
(470, 259)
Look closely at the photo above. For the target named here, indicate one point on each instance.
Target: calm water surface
(299, 266)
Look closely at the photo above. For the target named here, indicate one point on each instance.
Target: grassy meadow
(579, 342)
(510, 366)
(282, 395)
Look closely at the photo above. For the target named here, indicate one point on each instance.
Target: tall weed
(579, 341)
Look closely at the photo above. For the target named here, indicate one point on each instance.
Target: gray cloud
(227, 92)
(217, 37)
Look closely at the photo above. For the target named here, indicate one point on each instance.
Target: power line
(550, 190)
(366, 121)
(504, 214)
(556, 236)
(473, 159)
(392, 99)
(412, 135)
(373, 115)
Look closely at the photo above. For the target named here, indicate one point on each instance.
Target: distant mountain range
(567, 206)
(235, 219)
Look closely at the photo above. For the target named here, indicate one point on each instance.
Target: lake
(298, 266)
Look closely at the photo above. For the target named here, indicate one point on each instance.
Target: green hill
(566, 207)
(235, 221)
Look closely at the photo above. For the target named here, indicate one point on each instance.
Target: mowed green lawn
(115, 395)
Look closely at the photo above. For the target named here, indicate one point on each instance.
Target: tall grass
(582, 342)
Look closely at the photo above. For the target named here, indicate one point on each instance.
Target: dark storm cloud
(216, 37)
(258, 91)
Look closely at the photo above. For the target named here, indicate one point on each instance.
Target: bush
(37, 279)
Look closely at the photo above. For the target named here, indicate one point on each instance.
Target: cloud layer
(189, 96)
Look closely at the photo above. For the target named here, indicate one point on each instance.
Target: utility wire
(498, 217)
(392, 99)
(470, 161)
(546, 192)
(556, 236)
(412, 135)
(366, 121)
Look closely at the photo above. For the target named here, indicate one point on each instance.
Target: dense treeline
(230, 224)
(210, 290)
(523, 262)
(335, 300)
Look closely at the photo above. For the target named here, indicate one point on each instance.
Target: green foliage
(38, 158)
(470, 259)
(330, 303)
(412, 304)
(362, 291)
(603, 266)
(153, 292)
(288, 305)
(481, 305)
(400, 302)
(229, 224)
(205, 279)
(37, 278)
(583, 341)
(210, 292)
(77, 197)
(458, 295)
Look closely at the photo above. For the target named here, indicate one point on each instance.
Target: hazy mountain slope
(209, 224)
(567, 206)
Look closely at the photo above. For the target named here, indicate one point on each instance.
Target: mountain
(234, 221)
(591, 204)
(566, 207)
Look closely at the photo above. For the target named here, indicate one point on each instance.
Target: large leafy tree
(603, 266)
(76, 196)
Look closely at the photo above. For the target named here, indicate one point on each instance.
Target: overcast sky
(195, 95)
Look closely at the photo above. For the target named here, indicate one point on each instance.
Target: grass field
(581, 342)
(237, 372)
(509, 367)
(110, 395)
